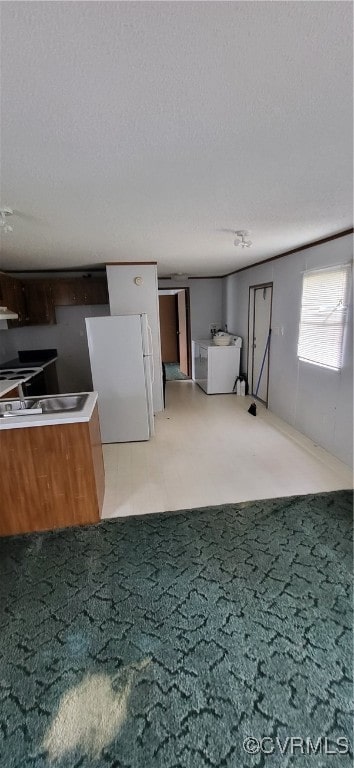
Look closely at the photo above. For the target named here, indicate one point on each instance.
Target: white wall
(315, 400)
(206, 300)
(68, 337)
(7, 346)
(126, 297)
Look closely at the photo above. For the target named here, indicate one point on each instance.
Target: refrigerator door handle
(148, 382)
(150, 339)
(151, 355)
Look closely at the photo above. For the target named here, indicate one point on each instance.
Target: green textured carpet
(166, 640)
(173, 372)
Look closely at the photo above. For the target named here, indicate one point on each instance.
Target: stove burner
(25, 370)
(16, 373)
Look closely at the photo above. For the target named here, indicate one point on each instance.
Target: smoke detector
(241, 240)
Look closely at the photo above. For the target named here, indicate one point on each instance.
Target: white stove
(16, 374)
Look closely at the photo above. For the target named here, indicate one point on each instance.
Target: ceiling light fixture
(181, 277)
(4, 226)
(240, 239)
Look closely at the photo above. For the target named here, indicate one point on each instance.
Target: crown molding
(299, 248)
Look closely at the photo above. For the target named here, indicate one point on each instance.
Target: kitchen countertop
(8, 384)
(51, 419)
(44, 364)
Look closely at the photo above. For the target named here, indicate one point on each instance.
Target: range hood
(7, 314)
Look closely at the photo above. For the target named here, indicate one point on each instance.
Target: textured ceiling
(138, 131)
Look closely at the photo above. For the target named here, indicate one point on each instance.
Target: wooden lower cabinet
(51, 477)
(12, 393)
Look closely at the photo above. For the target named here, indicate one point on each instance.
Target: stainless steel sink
(59, 404)
(16, 406)
(53, 404)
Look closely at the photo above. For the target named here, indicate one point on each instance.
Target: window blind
(323, 315)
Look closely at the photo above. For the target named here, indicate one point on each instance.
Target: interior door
(168, 329)
(260, 311)
(182, 332)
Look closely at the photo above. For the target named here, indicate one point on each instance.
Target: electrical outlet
(212, 328)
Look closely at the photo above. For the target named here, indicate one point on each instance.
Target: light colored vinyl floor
(209, 450)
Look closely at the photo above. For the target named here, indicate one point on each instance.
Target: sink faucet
(21, 395)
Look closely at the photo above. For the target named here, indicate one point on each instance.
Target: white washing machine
(216, 368)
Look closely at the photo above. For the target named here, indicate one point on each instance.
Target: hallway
(207, 450)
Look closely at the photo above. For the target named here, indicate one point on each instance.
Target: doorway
(174, 308)
(259, 325)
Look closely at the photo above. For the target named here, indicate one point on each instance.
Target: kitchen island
(52, 473)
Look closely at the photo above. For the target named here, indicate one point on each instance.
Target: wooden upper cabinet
(95, 290)
(64, 292)
(35, 299)
(39, 302)
(12, 296)
(79, 290)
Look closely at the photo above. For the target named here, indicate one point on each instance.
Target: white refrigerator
(120, 350)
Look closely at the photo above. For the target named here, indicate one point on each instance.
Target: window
(323, 316)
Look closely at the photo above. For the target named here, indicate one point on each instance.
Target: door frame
(250, 330)
(188, 321)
